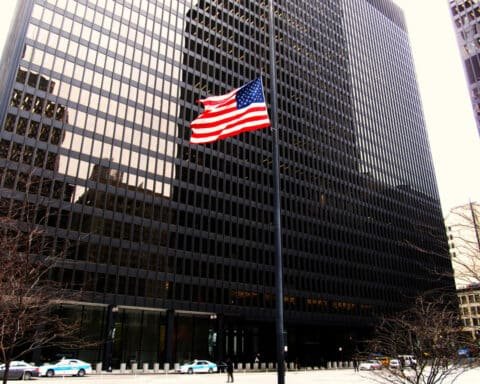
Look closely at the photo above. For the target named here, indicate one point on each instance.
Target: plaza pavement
(344, 376)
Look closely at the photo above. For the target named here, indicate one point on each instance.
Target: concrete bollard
(240, 366)
(270, 366)
(134, 368)
(329, 365)
(291, 366)
(255, 366)
(176, 367)
(334, 365)
(98, 368)
(166, 367)
(123, 367)
(248, 366)
(263, 365)
(145, 367)
(156, 368)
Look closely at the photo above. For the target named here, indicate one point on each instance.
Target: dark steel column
(169, 333)
(220, 337)
(112, 311)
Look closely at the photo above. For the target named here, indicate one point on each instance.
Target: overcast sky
(454, 140)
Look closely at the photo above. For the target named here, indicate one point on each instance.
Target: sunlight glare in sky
(452, 131)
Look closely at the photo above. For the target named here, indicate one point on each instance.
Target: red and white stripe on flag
(241, 110)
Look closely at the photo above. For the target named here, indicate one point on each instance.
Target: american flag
(240, 110)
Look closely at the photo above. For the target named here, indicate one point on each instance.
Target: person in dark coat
(229, 371)
(355, 364)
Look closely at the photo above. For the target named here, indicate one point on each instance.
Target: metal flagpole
(277, 202)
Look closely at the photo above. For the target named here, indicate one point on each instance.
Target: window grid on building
(96, 137)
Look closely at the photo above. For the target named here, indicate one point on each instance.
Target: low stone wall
(155, 368)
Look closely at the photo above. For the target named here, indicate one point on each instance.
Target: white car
(19, 370)
(199, 366)
(409, 360)
(66, 367)
(394, 364)
(370, 365)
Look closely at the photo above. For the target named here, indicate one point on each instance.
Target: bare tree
(463, 229)
(29, 298)
(431, 332)
(462, 251)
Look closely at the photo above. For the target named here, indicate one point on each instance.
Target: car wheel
(81, 373)
(190, 371)
(210, 370)
(50, 373)
(27, 375)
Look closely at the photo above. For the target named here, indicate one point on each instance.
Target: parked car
(222, 366)
(19, 370)
(370, 365)
(394, 364)
(199, 366)
(408, 360)
(411, 363)
(66, 367)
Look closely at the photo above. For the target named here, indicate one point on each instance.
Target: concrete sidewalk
(344, 376)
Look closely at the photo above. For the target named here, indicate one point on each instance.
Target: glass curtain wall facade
(466, 21)
(172, 243)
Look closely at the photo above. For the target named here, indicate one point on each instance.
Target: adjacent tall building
(466, 20)
(172, 243)
(463, 231)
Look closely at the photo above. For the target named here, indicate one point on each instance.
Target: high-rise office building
(172, 243)
(466, 20)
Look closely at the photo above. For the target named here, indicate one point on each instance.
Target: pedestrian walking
(355, 365)
(229, 371)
